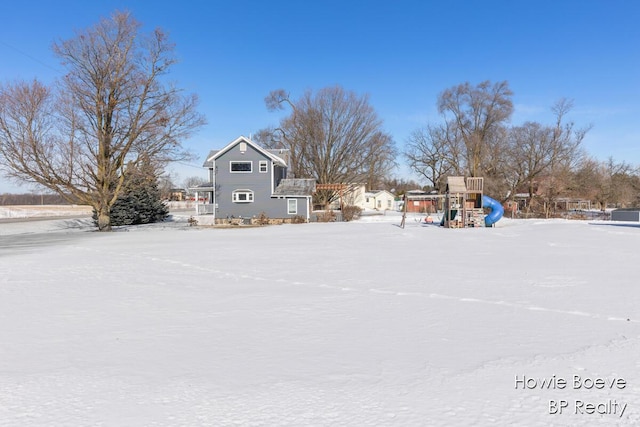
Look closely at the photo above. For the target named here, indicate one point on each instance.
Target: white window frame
(235, 196)
(232, 162)
(263, 165)
(293, 211)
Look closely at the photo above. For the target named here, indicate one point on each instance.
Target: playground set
(465, 204)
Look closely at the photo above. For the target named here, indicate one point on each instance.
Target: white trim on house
(292, 209)
(232, 162)
(278, 160)
(242, 196)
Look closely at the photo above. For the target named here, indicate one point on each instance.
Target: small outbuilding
(422, 202)
(379, 200)
(626, 214)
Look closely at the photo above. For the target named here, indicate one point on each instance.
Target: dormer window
(241, 167)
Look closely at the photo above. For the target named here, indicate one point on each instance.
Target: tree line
(540, 161)
(113, 114)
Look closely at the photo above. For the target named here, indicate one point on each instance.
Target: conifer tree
(140, 201)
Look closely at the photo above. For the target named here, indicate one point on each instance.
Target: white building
(379, 200)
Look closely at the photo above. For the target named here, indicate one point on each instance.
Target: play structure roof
(455, 184)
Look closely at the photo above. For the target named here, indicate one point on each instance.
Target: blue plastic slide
(496, 210)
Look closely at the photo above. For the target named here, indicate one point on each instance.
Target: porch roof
(203, 187)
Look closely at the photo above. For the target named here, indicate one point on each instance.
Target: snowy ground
(342, 324)
(43, 211)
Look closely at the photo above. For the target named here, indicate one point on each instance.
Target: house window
(263, 166)
(242, 196)
(241, 167)
(389, 203)
(292, 206)
(379, 204)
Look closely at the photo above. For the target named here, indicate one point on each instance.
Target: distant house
(380, 200)
(247, 180)
(177, 194)
(356, 195)
(345, 195)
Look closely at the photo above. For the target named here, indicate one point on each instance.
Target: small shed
(422, 202)
(626, 214)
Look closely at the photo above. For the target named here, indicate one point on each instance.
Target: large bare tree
(564, 155)
(334, 136)
(110, 109)
(478, 114)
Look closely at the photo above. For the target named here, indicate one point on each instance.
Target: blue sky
(401, 53)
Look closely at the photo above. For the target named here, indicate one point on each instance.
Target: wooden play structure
(463, 206)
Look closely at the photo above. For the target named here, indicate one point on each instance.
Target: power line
(29, 56)
(188, 164)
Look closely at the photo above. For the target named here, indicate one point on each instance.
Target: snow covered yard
(342, 324)
(43, 211)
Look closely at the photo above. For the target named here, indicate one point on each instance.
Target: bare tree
(166, 185)
(530, 152)
(110, 109)
(382, 162)
(534, 153)
(192, 182)
(565, 154)
(334, 136)
(566, 137)
(400, 186)
(431, 154)
(611, 183)
(478, 115)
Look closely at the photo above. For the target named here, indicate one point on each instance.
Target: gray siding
(279, 174)
(302, 206)
(260, 183)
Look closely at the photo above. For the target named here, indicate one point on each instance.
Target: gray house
(247, 180)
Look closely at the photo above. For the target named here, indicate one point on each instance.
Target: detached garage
(627, 214)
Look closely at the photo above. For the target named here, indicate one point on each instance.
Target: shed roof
(295, 187)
